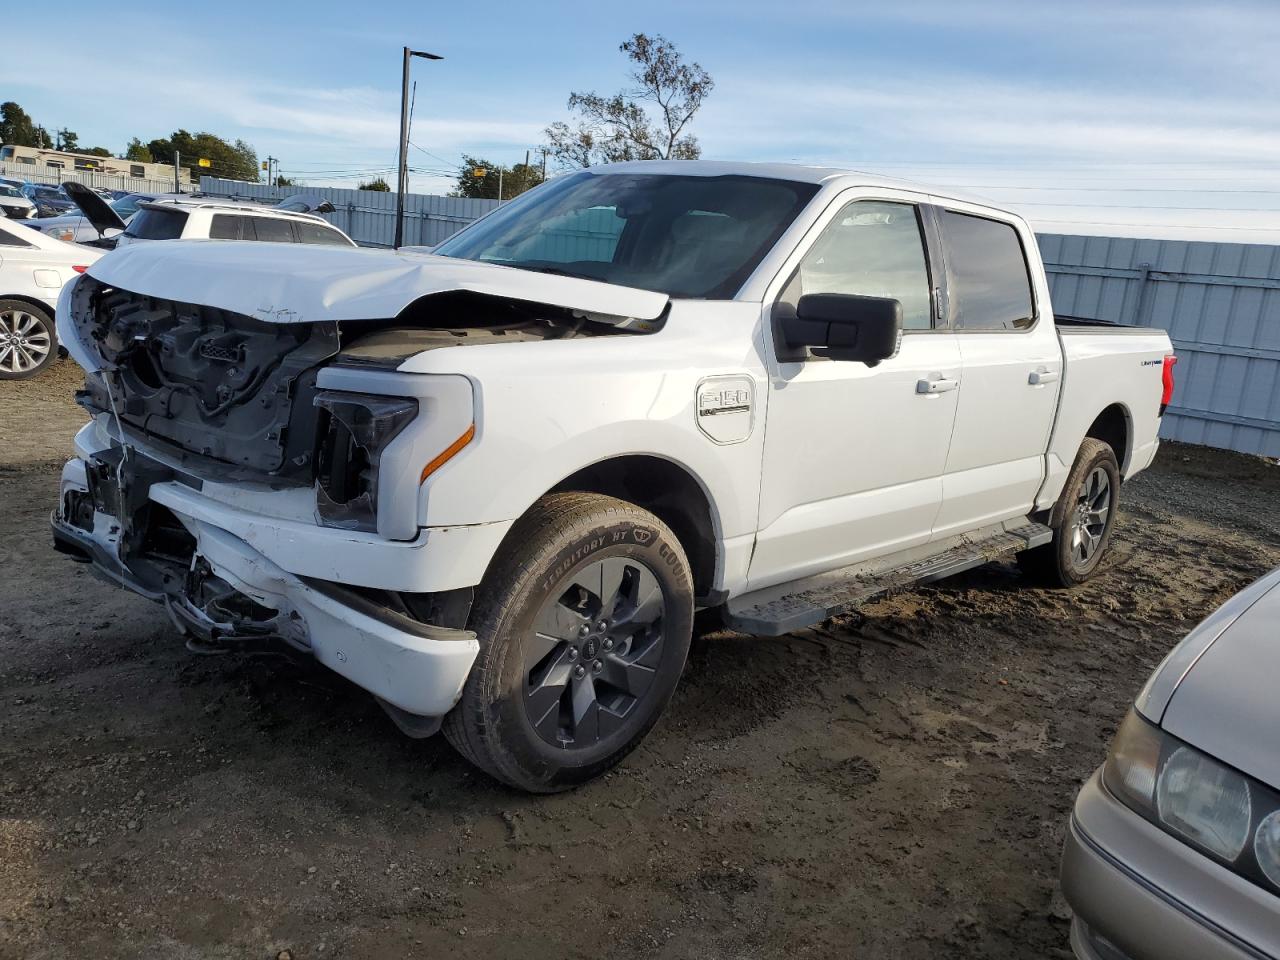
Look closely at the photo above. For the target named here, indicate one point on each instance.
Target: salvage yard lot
(892, 784)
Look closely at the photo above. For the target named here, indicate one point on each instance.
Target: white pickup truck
(492, 485)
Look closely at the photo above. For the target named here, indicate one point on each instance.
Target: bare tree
(622, 127)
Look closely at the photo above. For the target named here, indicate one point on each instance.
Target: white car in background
(33, 270)
(202, 218)
(77, 228)
(213, 220)
(13, 204)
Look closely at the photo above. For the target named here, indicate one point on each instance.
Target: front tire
(1082, 520)
(28, 343)
(584, 626)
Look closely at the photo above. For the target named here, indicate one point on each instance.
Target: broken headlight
(357, 429)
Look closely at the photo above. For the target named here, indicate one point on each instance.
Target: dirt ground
(889, 785)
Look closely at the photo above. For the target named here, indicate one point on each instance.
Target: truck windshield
(685, 236)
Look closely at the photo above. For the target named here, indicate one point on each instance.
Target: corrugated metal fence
(35, 174)
(368, 216)
(1220, 303)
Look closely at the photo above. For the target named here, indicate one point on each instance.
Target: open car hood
(285, 283)
(95, 209)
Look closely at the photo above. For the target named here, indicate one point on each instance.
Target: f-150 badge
(725, 408)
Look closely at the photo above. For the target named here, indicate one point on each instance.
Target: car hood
(286, 283)
(15, 202)
(97, 210)
(1226, 702)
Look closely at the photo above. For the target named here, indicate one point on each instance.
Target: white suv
(205, 220)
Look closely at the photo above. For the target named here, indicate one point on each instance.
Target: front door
(854, 454)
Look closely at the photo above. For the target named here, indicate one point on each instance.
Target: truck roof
(796, 172)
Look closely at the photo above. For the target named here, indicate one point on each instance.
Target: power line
(1136, 206)
(1162, 226)
(1033, 162)
(1002, 186)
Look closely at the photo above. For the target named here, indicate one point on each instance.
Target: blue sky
(1125, 117)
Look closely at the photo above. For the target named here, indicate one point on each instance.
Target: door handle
(1042, 375)
(934, 385)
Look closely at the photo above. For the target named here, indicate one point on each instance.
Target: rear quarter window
(9, 240)
(319, 233)
(990, 285)
(150, 224)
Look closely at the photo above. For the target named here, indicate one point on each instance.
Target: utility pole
(499, 184)
(177, 166)
(544, 163)
(402, 178)
(273, 170)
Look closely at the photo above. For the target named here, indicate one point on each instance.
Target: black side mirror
(843, 326)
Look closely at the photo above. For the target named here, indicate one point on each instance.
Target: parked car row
(38, 256)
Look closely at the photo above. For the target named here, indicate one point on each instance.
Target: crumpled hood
(299, 283)
(1226, 703)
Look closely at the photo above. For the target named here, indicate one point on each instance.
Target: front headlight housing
(352, 438)
(1232, 818)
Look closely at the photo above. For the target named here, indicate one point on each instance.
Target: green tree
(97, 151)
(67, 140)
(622, 126)
(479, 180)
(137, 152)
(17, 128)
(379, 185)
(284, 182)
(232, 161)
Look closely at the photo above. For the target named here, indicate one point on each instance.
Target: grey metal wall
(1220, 303)
(368, 216)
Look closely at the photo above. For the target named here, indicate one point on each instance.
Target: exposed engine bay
(218, 389)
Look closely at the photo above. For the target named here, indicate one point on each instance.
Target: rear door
(1012, 369)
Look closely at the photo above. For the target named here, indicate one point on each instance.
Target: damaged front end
(263, 475)
(220, 390)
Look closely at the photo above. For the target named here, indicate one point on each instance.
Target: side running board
(779, 610)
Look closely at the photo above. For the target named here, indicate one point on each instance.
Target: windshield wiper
(554, 271)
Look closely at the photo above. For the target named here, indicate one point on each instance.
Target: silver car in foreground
(1174, 847)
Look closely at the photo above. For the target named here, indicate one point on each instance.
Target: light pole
(402, 184)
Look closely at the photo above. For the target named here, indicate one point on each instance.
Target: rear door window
(990, 285)
(225, 227)
(273, 230)
(154, 224)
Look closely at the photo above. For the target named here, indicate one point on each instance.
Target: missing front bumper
(224, 592)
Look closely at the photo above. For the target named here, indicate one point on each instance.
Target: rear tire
(28, 342)
(584, 627)
(1082, 520)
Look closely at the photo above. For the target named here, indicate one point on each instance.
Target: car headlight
(1213, 807)
(1266, 846)
(359, 427)
(1205, 802)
